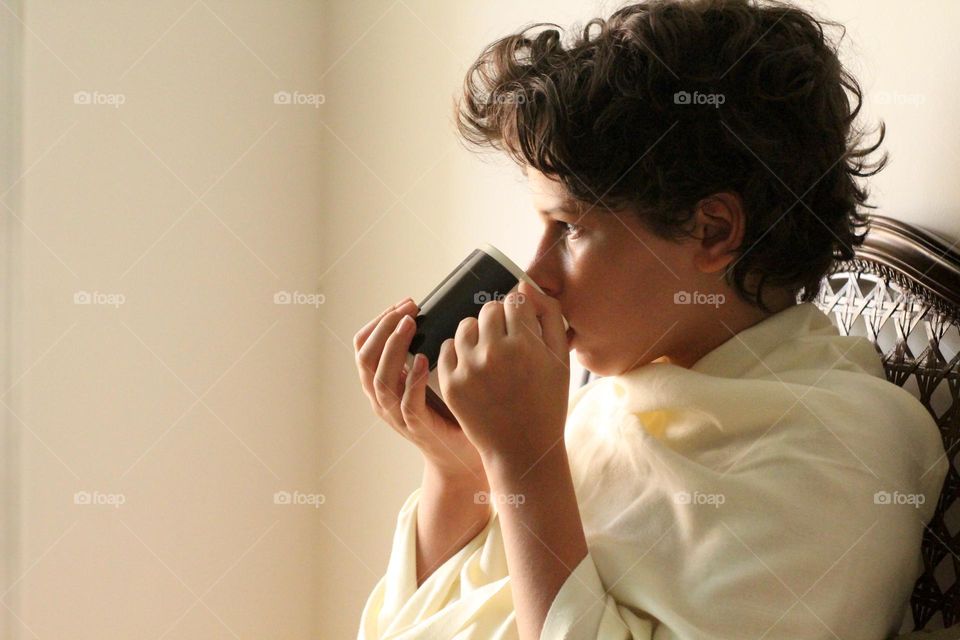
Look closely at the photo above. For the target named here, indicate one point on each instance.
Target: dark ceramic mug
(484, 275)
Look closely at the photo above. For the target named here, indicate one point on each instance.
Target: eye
(570, 230)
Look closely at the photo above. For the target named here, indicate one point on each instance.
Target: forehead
(547, 193)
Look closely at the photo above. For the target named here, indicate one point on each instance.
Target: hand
(399, 397)
(507, 385)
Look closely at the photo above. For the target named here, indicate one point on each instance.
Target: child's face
(616, 283)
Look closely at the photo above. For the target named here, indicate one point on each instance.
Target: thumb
(552, 323)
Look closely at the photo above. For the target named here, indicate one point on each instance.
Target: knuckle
(389, 402)
(407, 409)
(452, 392)
(365, 362)
(514, 345)
(379, 383)
(488, 357)
(388, 321)
(360, 355)
(479, 362)
(467, 326)
(369, 354)
(490, 309)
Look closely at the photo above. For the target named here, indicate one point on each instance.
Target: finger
(490, 323)
(368, 357)
(413, 405)
(466, 337)
(446, 363)
(519, 317)
(547, 309)
(361, 336)
(386, 383)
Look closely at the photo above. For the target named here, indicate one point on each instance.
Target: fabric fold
(779, 487)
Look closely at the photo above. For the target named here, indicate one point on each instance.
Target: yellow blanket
(776, 489)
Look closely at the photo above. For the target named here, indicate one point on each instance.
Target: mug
(484, 275)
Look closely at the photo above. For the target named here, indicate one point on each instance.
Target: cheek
(610, 290)
(601, 266)
(593, 289)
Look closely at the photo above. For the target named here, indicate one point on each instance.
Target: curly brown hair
(669, 101)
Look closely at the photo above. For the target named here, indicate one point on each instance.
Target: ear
(718, 228)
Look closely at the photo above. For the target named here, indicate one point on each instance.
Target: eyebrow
(561, 208)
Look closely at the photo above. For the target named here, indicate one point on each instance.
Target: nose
(544, 269)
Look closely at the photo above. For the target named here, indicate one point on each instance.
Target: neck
(716, 328)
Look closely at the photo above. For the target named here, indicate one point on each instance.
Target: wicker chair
(902, 290)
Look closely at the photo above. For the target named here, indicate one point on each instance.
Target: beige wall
(904, 55)
(198, 199)
(390, 104)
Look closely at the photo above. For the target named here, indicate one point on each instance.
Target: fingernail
(404, 324)
(403, 303)
(418, 361)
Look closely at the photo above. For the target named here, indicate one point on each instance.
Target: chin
(598, 365)
(610, 368)
(596, 368)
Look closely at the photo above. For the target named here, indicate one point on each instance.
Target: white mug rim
(517, 272)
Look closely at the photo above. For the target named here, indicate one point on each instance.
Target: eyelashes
(570, 230)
